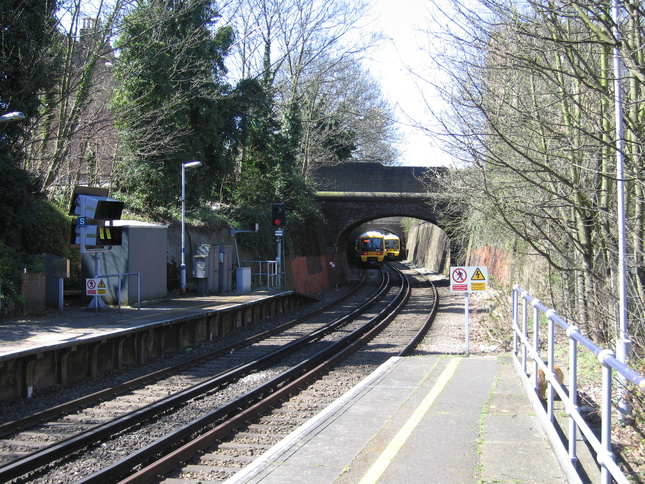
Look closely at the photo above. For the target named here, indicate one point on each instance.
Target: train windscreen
(370, 243)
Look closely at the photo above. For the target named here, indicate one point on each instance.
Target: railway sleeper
(287, 417)
(86, 420)
(216, 457)
(263, 429)
(64, 427)
(202, 469)
(237, 446)
(28, 444)
(199, 481)
(56, 434)
(298, 413)
(122, 406)
(254, 435)
(10, 456)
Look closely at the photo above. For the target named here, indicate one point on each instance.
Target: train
(392, 246)
(370, 248)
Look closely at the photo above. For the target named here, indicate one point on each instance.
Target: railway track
(224, 452)
(248, 376)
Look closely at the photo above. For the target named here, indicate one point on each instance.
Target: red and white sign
(95, 287)
(469, 279)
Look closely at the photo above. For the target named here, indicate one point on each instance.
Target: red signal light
(278, 215)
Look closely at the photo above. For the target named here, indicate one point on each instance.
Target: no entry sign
(95, 287)
(469, 279)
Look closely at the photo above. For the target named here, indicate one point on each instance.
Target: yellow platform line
(387, 456)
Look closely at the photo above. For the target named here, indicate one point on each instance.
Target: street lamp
(182, 271)
(14, 116)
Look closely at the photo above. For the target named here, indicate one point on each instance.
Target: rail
(523, 348)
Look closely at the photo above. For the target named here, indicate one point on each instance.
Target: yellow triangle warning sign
(478, 276)
(102, 282)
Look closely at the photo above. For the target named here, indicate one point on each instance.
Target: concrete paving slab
(514, 447)
(443, 446)
(435, 419)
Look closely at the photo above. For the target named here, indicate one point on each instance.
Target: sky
(400, 21)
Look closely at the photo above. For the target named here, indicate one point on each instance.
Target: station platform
(62, 347)
(429, 419)
(78, 324)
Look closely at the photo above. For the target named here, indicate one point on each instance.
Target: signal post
(93, 230)
(279, 220)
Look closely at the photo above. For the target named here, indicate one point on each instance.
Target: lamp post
(182, 271)
(623, 343)
(14, 116)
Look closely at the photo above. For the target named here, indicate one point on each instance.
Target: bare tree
(302, 52)
(74, 140)
(531, 93)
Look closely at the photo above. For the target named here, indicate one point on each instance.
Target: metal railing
(118, 297)
(265, 273)
(524, 347)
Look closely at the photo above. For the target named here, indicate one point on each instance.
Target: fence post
(536, 341)
(525, 314)
(514, 316)
(573, 394)
(605, 432)
(551, 397)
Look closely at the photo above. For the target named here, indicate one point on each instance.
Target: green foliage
(341, 143)
(262, 243)
(269, 156)
(26, 60)
(15, 198)
(26, 66)
(167, 104)
(10, 265)
(45, 229)
(172, 106)
(49, 230)
(301, 235)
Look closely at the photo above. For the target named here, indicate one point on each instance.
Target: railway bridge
(352, 194)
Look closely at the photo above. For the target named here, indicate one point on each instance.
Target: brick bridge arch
(352, 194)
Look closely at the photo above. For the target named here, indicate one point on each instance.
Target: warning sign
(478, 275)
(95, 286)
(469, 279)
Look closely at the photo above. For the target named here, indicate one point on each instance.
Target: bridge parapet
(375, 178)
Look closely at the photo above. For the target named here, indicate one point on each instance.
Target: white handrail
(606, 359)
